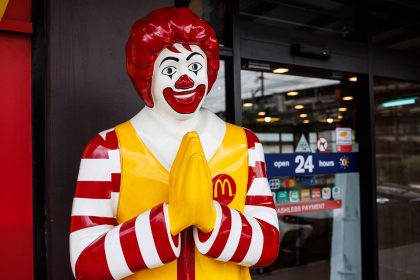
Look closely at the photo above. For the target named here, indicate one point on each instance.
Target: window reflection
(274, 103)
(326, 17)
(394, 25)
(397, 121)
(281, 109)
(216, 100)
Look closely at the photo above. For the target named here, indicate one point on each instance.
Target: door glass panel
(395, 25)
(307, 127)
(323, 17)
(397, 123)
(212, 11)
(216, 100)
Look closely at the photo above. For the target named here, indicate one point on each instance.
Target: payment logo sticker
(289, 183)
(305, 195)
(294, 196)
(326, 193)
(336, 192)
(274, 184)
(308, 181)
(282, 197)
(316, 194)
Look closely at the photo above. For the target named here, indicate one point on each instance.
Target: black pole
(39, 70)
(367, 151)
(233, 64)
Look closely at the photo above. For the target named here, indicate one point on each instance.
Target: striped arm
(251, 237)
(99, 247)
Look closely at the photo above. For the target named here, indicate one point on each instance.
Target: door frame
(274, 46)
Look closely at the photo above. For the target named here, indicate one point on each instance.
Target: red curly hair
(162, 28)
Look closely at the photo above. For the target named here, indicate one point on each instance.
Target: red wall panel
(16, 232)
(19, 10)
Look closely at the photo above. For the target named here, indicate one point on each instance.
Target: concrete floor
(400, 263)
(317, 270)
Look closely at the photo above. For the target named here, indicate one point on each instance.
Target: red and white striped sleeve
(99, 247)
(248, 238)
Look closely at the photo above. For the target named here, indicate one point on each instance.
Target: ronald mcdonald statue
(175, 192)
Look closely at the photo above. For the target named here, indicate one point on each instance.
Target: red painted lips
(185, 102)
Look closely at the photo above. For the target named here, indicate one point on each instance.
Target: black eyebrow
(169, 58)
(194, 53)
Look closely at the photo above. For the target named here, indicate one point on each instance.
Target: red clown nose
(184, 82)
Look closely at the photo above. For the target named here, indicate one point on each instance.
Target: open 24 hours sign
(307, 164)
(304, 164)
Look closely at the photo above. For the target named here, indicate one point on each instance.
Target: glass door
(397, 118)
(307, 124)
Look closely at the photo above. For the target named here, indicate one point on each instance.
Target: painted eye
(195, 67)
(169, 71)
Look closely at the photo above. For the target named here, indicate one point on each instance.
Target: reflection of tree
(390, 171)
(399, 170)
(259, 81)
(248, 117)
(411, 168)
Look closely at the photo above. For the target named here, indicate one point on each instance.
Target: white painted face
(180, 81)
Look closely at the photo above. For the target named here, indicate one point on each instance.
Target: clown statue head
(174, 193)
(173, 59)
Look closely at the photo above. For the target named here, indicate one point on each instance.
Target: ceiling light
(347, 98)
(303, 115)
(340, 117)
(292, 93)
(353, 79)
(281, 70)
(330, 120)
(299, 106)
(261, 113)
(342, 109)
(399, 102)
(248, 104)
(268, 119)
(306, 121)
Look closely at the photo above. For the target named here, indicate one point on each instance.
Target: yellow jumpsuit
(144, 184)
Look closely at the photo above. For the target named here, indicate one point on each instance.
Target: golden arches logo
(222, 185)
(224, 188)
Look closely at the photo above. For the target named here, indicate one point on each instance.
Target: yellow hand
(190, 194)
(181, 204)
(205, 214)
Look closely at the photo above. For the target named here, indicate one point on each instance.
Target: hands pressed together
(190, 193)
